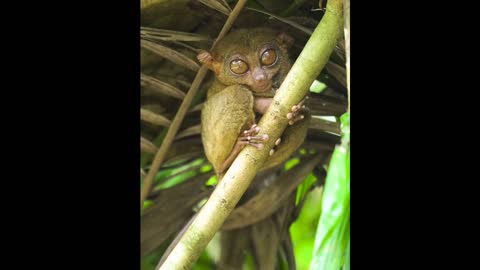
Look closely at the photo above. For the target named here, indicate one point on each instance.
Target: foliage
(333, 234)
(168, 70)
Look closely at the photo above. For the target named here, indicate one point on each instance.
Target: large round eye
(238, 66)
(268, 57)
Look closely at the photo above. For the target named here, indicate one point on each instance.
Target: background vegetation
(171, 34)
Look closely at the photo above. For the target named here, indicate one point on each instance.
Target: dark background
(71, 191)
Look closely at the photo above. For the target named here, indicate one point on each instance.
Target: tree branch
(237, 179)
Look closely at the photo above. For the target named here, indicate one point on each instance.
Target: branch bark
(240, 174)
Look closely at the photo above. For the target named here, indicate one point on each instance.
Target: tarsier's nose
(260, 77)
(261, 80)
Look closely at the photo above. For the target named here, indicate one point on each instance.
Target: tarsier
(249, 66)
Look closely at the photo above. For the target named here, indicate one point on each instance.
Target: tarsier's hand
(297, 112)
(249, 137)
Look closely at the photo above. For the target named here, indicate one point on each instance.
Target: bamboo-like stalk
(239, 176)
(182, 111)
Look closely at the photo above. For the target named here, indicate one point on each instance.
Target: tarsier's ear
(206, 58)
(285, 40)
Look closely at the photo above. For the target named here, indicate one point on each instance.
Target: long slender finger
(296, 119)
(262, 138)
(252, 131)
(259, 146)
(299, 105)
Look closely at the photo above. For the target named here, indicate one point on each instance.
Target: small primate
(249, 66)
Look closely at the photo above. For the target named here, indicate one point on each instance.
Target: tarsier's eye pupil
(269, 57)
(238, 66)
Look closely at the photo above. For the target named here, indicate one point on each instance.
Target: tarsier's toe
(254, 129)
(255, 139)
(296, 119)
(259, 146)
(249, 137)
(295, 114)
(277, 142)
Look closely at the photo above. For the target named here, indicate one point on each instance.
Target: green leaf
(346, 266)
(212, 181)
(176, 180)
(304, 227)
(291, 163)
(304, 187)
(206, 168)
(146, 204)
(317, 87)
(333, 231)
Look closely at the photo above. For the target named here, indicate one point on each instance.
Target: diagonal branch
(239, 176)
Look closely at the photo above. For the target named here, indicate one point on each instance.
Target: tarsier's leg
(225, 117)
(292, 137)
(248, 137)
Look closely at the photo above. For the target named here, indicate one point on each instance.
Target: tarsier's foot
(248, 137)
(296, 113)
(277, 143)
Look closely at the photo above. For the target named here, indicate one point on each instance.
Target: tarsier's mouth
(270, 92)
(270, 89)
(265, 88)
